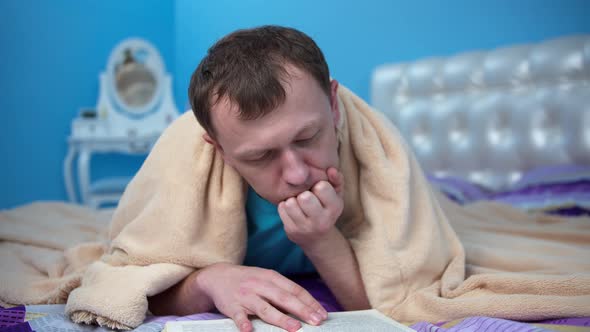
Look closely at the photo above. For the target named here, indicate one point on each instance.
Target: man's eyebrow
(251, 152)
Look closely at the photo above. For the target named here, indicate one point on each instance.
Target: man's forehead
(271, 142)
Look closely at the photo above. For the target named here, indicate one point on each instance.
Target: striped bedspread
(52, 318)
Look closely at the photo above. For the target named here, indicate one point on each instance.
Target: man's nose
(295, 170)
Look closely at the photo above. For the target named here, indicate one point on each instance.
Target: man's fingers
(290, 303)
(294, 210)
(301, 294)
(328, 197)
(245, 291)
(309, 204)
(287, 221)
(271, 315)
(241, 320)
(336, 179)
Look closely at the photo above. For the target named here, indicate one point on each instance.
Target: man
(265, 98)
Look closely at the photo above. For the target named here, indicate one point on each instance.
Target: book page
(363, 320)
(348, 321)
(218, 325)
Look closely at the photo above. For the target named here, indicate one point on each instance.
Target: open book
(346, 321)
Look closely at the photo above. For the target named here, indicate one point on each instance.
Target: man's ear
(334, 101)
(213, 142)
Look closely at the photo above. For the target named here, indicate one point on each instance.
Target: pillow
(561, 189)
(558, 174)
(458, 189)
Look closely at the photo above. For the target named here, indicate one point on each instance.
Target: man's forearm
(338, 267)
(182, 299)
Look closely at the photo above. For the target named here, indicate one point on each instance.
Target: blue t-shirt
(268, 244)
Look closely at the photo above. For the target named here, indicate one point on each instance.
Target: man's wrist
(320, 246)
(195, 287)
(186, 297)
(199, 283)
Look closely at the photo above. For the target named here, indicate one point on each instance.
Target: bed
(511, 125)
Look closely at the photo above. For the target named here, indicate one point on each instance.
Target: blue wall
(356, 36)
(52, 52)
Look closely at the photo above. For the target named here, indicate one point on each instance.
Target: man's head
(265, 98)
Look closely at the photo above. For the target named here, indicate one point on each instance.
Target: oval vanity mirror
(136, 72)
(134, 82)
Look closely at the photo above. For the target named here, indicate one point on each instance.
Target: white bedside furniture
(134, 106)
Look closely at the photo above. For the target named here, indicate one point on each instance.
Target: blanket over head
(421, 257)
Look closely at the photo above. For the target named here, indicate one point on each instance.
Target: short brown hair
(248, 66)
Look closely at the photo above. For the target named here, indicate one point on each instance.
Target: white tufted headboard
(487, 116)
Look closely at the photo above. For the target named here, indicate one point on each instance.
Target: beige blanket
(185, 210)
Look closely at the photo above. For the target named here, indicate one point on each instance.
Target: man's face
(288, 150)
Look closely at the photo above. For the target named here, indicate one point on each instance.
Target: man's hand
(309, 221)
(312, 214)
(239, 291)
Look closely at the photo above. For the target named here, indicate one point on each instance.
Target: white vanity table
(134, 107)
(104, 191)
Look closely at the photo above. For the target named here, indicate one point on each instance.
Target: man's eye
(266, 156)
(306, 141)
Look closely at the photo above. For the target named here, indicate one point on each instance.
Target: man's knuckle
(249, 281)
(324, 186)
(264, 310)
(284, 297)
(296, 290)
(270, 275)
(316, 306)
(304, 197)
(244, 290)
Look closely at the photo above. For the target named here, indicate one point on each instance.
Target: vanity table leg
(68, 174)
(84, 175)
